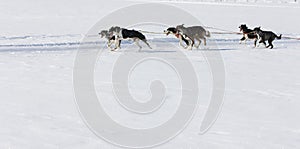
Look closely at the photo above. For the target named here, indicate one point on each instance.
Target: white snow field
(39, 42)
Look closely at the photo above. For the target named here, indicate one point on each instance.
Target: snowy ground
(38, 45)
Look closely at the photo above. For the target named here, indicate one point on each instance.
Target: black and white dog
(174, 31)
(122, 33)
(248, 34)
(266, 36)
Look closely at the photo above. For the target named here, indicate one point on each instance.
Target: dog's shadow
(215, 49)
(157, 51)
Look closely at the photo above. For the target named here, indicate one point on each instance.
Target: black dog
(248, 34)
(266, 36)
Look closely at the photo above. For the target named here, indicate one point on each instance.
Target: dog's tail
(145, 41)
(279, 37)
(207, 34)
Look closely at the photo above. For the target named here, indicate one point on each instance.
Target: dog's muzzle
(166, 32)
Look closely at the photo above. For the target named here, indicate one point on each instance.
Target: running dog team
(189, 35)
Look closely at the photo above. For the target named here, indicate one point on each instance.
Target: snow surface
(38, 45)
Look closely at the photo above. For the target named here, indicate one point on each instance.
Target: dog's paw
(114, 49)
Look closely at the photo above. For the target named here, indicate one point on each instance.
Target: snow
(38, 46)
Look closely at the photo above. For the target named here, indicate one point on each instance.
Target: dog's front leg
(245, 41)
(255, 42)
(180, 42)
(259, 41)
(246, 38)
(191, 41)
(191, 44)
(117, 43)
(109, 44)
(242, 39)
(114, 48)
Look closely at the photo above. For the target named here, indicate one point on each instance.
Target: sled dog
(194, 33)
(122, 33)
(174, 31)
(110, 39)
(266, 36)
(248, 34)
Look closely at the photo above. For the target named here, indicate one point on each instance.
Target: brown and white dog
(248, 34)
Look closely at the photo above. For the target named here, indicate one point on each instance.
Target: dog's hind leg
(263, 41)
(270, 44)
(145, 41)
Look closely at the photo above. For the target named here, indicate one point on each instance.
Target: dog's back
(266, 35)
(247, 33)
(122, 33)
(250, 34)
(194, 31)
(132, 34)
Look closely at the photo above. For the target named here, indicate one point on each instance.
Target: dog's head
(170, 30)
(114, 30)
(180, 26)
(179, 29)
(256, 29)
(243, 27)
(103, 33)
